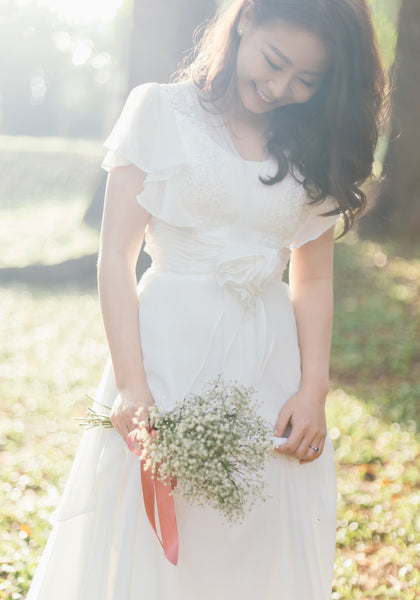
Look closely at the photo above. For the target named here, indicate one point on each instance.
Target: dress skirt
(102, 547)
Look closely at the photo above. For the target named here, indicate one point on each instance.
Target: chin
(258, 110)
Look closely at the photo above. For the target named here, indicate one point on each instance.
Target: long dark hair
(330, 139)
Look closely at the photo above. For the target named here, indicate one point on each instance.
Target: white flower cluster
(215, 444)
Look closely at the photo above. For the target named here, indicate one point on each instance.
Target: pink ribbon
(165, 504)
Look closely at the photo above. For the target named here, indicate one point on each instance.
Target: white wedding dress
(213, 302)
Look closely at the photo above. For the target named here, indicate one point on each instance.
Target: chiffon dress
(213, 302)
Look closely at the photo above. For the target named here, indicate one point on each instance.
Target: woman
(246, 160)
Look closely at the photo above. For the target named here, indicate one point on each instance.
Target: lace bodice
(209, 210)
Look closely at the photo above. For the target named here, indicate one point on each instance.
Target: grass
(376, 343)
(55, 351)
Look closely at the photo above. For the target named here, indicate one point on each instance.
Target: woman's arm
(311, 284)
(123, 225)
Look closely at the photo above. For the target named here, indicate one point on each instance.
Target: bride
(240, 165)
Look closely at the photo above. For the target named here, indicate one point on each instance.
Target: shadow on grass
(78, 272)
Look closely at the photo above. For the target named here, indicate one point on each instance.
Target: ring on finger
(314, 448)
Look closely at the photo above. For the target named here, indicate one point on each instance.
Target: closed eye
(272, 65)
(308, 84)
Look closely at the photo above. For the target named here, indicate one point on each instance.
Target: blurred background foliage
(56, 78)
(385, 16)
(70, 64)
(63, 73)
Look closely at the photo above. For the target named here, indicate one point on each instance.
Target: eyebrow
(289, 62)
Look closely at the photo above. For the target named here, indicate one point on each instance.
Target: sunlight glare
(85, 11)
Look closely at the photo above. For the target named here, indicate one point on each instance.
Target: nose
(280, 87)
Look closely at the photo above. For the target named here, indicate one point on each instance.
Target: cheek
(242, 68)
(302, 95)
(249, 62)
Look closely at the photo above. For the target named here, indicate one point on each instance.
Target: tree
(162, 33)
(396, 212)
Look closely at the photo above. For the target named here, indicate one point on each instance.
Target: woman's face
(278, 64)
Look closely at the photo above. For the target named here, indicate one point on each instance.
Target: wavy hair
(331, 138)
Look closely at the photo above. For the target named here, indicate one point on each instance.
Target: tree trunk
(162, 33)
(396, 213)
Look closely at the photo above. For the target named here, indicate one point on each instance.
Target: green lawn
(54, 350)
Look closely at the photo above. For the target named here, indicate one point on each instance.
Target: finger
(315, 456)
(131, 425)
(314, 451)
(292, 443)
(282, 422)
(123, 432)
(121, 427)
(318, 445)
(309, 458)
(304, 449)
(120, 431)
(310, 455)
(280, 429)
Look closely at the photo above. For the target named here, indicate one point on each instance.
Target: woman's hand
(305, 412)
(125, 407)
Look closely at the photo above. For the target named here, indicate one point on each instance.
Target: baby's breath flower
(215, 444)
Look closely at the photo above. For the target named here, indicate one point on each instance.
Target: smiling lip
(262, 96)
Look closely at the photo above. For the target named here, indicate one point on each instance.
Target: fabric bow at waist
(248, 270)
(243, 266)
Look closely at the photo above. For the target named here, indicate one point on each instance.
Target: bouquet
(213, 444)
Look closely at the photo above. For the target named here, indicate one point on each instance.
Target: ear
(245, 22)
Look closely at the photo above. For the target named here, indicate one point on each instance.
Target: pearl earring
(240, 32)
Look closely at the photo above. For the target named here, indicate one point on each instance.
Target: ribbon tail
(165, 505)
(167, 521)
(148, 487)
